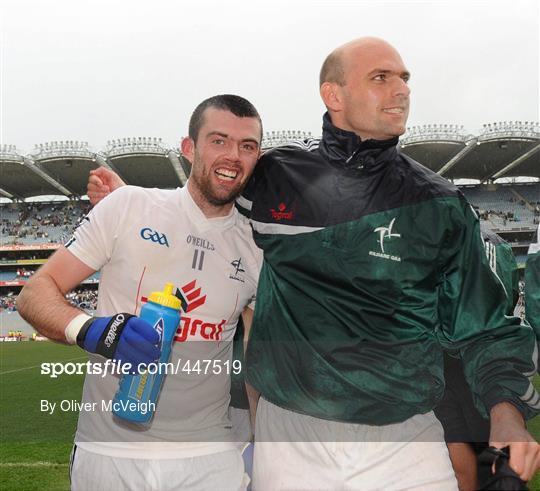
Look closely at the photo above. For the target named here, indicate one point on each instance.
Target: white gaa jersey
(140, 239)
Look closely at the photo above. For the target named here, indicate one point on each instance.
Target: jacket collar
(346, 148)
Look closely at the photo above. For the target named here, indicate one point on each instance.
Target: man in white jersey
(139, 239)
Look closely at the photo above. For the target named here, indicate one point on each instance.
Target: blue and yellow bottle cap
(166, 297)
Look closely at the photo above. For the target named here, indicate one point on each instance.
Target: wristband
(73, 328)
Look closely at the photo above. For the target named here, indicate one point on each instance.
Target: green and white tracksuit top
(503, 263)
(373, 265)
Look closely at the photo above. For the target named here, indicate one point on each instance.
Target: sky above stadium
(98, 70)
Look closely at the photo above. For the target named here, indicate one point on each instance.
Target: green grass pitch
(35, 446)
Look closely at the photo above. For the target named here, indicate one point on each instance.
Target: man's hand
(508, 429)
(102, 182)
(122, 337)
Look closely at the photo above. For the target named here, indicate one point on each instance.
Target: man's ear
(331, 96)
(188, 148)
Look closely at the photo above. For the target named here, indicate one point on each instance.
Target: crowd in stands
(53, 222)
(41, 222)
(24, 273)
(506, 216)
(503, 208)
(84, 299)
(7, 303)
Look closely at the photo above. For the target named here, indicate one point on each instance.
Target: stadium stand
(277, 138)
(31, 231)
(531, 194)
(10, 319)
(507, 206)
(8, 275)
(35, 223)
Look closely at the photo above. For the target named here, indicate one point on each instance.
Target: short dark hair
(332, 69)
(227, 102)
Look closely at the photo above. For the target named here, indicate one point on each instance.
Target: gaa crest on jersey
(238, 270)
(148, 234)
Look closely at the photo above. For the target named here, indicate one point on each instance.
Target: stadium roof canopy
(61, 168)
(20, 181)
(509, 149)
(502, 150)
(145, 162)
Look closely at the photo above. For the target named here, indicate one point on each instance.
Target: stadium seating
(8, 275)
(38, 223)
(506, 207)
(530, 193)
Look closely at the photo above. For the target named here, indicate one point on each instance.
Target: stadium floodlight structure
(44, 175)
(278, 138)
(435, 132)
(139, 148)
(10, 152)
(37, 178)
(527, 130)
(136, 145)
(61, 149)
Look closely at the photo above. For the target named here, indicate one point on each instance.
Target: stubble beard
(204, 185)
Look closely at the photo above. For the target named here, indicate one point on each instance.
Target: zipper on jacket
(360, 162)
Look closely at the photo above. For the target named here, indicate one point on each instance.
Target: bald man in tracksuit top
(373, 265)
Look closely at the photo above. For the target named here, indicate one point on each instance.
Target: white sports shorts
(96, 472)
(241, 424)
(298, 452)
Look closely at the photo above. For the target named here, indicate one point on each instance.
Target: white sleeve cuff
(73, 328)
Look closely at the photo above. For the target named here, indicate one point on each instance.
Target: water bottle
(136, 398)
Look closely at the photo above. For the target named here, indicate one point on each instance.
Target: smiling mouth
(394, 110)
(226, 174)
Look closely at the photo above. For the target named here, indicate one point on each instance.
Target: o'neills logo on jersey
(200, 242)
(111, 335)
(191, 326)
(281, 213)
(385, 235)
